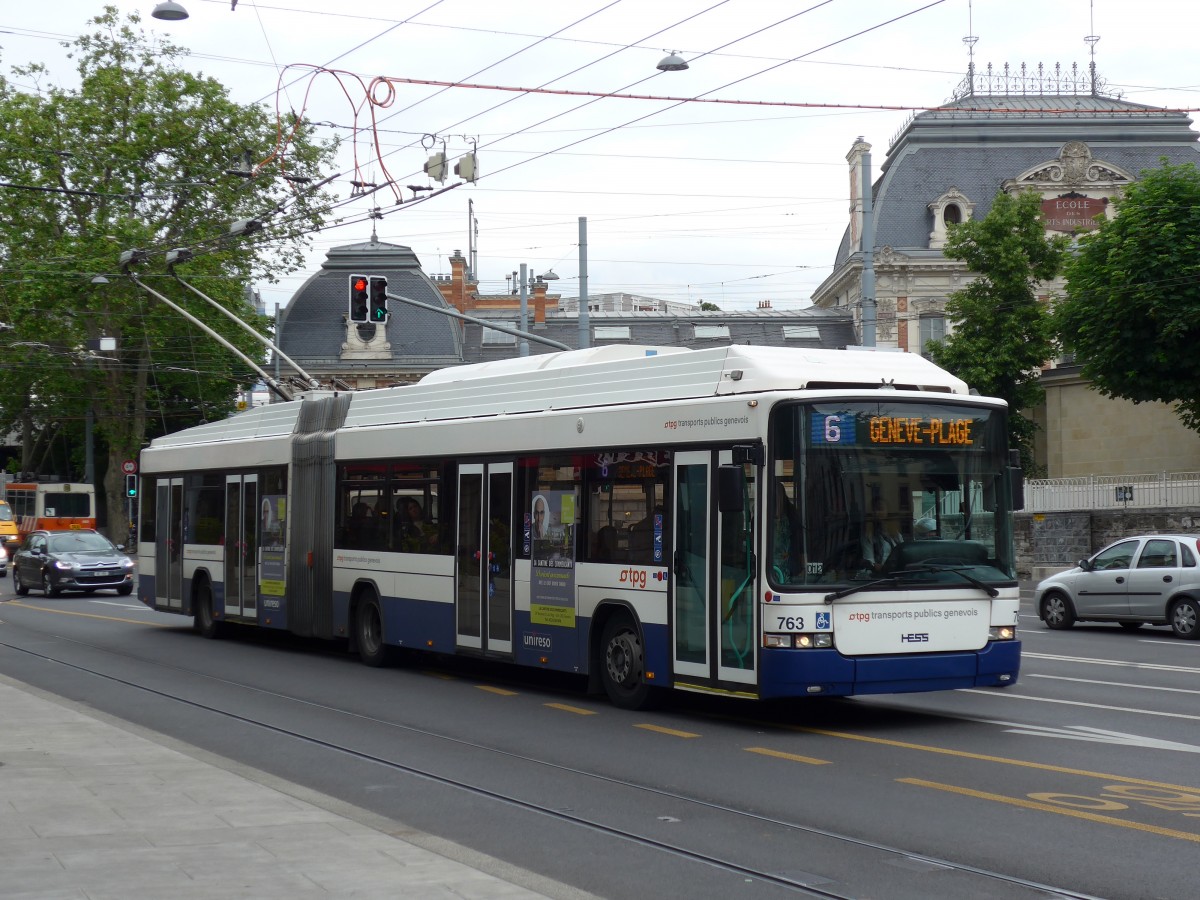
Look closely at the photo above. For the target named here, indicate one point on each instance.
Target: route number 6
(833, 429)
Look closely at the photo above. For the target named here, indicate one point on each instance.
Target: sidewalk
(96, 809)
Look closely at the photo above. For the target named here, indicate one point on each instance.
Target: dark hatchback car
(76, 560)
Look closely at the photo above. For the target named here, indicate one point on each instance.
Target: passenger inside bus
(881, 534)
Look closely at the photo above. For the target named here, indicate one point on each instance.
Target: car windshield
(79, 542)
(5, 513)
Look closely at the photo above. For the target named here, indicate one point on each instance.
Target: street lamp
(169, 11)
(672, 62)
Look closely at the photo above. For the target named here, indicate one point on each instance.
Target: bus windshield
(902, 492)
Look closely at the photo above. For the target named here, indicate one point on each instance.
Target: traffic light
(379, 310)
(467, 168)
(435, 167)
(358, 298)
(131, 486)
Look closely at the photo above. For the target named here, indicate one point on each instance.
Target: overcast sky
(728, 202)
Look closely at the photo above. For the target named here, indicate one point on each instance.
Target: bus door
(484, 591)
(168, 549)
(241, 545)
(713, 601)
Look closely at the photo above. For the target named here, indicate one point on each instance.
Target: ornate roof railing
(1039, 80)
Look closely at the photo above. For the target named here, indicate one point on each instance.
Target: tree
(1003, 334)
(1131, 315)
(135, 156)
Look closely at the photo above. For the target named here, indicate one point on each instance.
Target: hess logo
(636, 577)
(919, 638)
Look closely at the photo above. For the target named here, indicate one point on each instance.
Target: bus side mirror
(1016, 480)
(731, 487)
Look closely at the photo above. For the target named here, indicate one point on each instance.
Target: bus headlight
(1002, 632)
(798, 641)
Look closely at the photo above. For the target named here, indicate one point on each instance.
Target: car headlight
(64, 566)
(127, 562)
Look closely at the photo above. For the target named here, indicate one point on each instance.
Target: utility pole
(523, 349)
(585, 328)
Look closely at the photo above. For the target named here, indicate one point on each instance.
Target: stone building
(1053, 132)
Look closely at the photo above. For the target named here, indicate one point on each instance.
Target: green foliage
(706, 306)
(1132, 311)
(1003, 333)
(133, 156)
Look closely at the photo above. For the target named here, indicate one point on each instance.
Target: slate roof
(970, 145)
(312, 326)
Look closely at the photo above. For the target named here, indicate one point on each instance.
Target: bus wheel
(368, 632)
(203, 622)
(624, 665)
(18, 585)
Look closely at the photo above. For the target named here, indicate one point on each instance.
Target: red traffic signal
(358, 298)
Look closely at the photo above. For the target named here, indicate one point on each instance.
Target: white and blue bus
(701, 520)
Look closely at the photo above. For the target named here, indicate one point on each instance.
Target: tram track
(559, 815)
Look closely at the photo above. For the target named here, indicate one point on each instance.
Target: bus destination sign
(852, 429)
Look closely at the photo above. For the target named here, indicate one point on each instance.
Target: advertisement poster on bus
(552, 583)
(272, 575)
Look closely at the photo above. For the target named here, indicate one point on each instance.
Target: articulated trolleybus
(745, 521)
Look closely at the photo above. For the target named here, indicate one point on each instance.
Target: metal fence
(1164, 490)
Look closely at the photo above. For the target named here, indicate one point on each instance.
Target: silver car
(1152, 578)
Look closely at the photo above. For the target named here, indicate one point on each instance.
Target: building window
(611, 333)
(801, 333)
(492, 336)
(933, 328)
(712, 332)
(952, 214)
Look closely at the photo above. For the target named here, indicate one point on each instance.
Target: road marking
(67, 612)
(578, 710)
(1144, 687)
(983, 757)
(1094, 735)
(1114, 663)
(1046, 807)
(1125, 709)
(137, 606)
(671, 731)
(503, 692)
(779, 754)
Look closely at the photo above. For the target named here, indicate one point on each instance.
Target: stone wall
(1050, 542)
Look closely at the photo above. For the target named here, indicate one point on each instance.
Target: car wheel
(18, 585)
(125, 590)
(1057, 612)
(1131, 626)
(51, 589)
(622, 665)
(1185, 619)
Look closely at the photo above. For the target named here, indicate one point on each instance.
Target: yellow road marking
(792, 756)
(1046, 767)
(68, 612)
(671, 731)
(496, 690)
(578, 710)
(1046, 807)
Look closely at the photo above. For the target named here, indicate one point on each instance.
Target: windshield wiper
(941, 567)
(846, 592)
(908, 570)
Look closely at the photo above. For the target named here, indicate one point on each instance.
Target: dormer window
(952, 208)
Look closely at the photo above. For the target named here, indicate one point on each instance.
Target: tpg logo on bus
(636, 577)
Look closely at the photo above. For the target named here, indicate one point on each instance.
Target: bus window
(625, 490)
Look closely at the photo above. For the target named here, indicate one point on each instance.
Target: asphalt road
(1081, 779)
